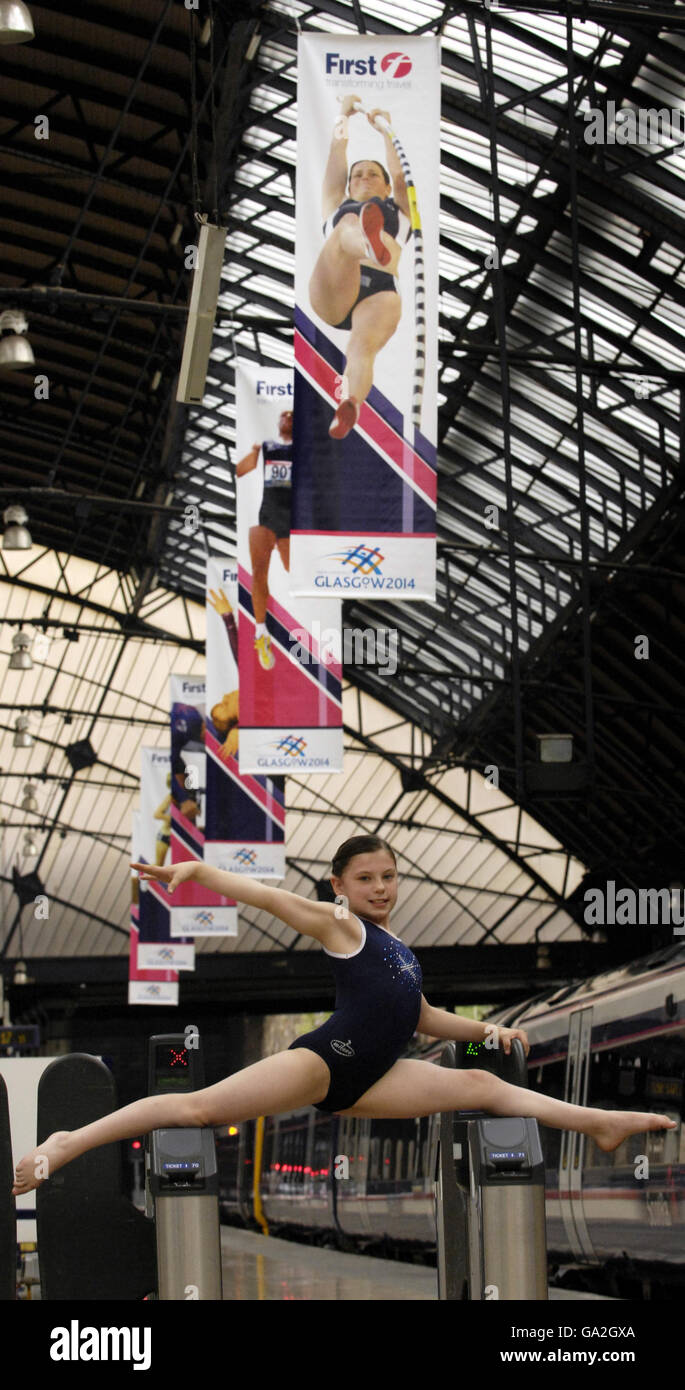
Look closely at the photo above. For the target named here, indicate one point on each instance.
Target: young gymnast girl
(352, 1064)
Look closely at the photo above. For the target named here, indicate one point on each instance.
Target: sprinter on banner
(366, 318)
(272, 530)
(290, 687)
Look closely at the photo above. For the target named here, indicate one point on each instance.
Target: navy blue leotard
(377, 1007)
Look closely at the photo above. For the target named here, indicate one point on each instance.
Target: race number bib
(277, 472)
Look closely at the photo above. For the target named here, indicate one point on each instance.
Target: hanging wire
(580, 405)
(212, 104)
(499, 320)
(193, 116)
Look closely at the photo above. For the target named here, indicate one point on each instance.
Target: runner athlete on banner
(354, 283)
(273, 526)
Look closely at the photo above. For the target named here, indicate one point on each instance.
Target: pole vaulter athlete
(273, 527)
(353, 1063)
(354, 284)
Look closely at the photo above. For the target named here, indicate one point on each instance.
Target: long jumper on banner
(419, 275)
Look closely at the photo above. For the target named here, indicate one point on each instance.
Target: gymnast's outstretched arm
(439, 1023)
(309, 918)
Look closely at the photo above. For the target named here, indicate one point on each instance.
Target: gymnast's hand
(372, 117)
(170, 878)
(505, 1037)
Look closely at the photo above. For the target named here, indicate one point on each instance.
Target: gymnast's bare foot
(41, 1162)
(617, 1125)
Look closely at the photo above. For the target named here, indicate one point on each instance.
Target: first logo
(396, 65)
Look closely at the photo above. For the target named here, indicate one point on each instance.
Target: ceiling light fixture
(15, 350)
(22, 738)
(20, 659)
(16, 24)
(29, 803)
(16, 536)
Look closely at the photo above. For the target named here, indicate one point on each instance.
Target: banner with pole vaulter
(289, 648)
(144, 986)
(244, 815)
(195, 910)
(366, 317)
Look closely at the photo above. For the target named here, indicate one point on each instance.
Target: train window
(643, 1075)
(399, 1156)
(321, 1149)
(292, 1150)
(387, 1160)
(362, 1150)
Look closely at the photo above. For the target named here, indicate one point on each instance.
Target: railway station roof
(95, 220)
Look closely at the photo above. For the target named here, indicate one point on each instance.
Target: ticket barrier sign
(490, 1194)
(182, 1189)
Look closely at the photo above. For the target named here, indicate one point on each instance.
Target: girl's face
(369, 882)
(367, 181)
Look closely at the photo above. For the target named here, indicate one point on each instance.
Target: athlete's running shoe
(345, 418)
(262, 646)
(372, 224)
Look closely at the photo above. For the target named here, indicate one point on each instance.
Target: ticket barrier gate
(93, 1244)
(182, 1187)
(490, 1193)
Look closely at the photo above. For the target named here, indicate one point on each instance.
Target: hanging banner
(156, 949)
(289, 649)
(196, 911)
(144, 986)
(366, 317)
(245, 815)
